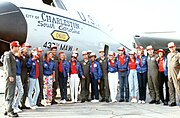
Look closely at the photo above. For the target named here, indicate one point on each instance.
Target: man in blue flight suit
(96, 74)
(123, 61)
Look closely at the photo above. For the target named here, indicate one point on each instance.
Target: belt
(48, 75)
(122, 70)
(112, 71)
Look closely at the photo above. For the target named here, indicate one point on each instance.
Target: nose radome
(13, 25)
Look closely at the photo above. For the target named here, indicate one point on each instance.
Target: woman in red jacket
(133, 80)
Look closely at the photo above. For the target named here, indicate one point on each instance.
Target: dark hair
(54, 47)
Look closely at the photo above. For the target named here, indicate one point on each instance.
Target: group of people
(29, 74)
(36, 75)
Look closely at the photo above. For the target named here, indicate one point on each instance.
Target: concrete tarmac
(99, 110)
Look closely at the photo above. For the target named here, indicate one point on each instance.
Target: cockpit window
(52, 4)
(48, 2)
(55, 3)
(59, 4)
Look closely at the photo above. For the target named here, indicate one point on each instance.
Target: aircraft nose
(13, 25)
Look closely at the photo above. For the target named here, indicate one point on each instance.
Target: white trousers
(74, 83)
(113, 82)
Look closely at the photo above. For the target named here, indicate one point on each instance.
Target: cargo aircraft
(158, 39)
(44, 23)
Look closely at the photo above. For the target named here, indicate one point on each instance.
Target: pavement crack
(112, 112)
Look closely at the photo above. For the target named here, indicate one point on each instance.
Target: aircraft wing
(158, 39)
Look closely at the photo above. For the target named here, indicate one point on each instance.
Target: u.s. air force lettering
(58, 22)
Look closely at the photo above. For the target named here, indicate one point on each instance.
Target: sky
(126, 18)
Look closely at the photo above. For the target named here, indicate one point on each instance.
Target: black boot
(172, 104)
(23, 107)
(5, 113)
(83, 100)
(102, 100)
(157, 102)
(152, 102)
(53, 102)
(165, 102)
(12, 114)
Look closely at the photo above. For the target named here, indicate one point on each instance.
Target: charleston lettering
(49, 21)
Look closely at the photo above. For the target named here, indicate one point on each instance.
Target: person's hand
(11, 79)
(83, 77)
(33, 58)
(44, 79)
(178, 76)
(54, 80)
(157, 59)
(68, 76)
(99, 81)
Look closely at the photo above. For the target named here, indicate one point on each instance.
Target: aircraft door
(106, 50)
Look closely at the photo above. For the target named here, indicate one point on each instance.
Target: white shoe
(17, 110)
(72, 101)
(36, 106)
(94, 101)
(64, 101)
(45, 104)
(113, 101)
(132, 101)
(143, 102)
(48, 104)
(75, 101)
(33, 107)
(135, 100)
(139, 101)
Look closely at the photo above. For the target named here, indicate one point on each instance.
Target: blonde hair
(47, 53)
